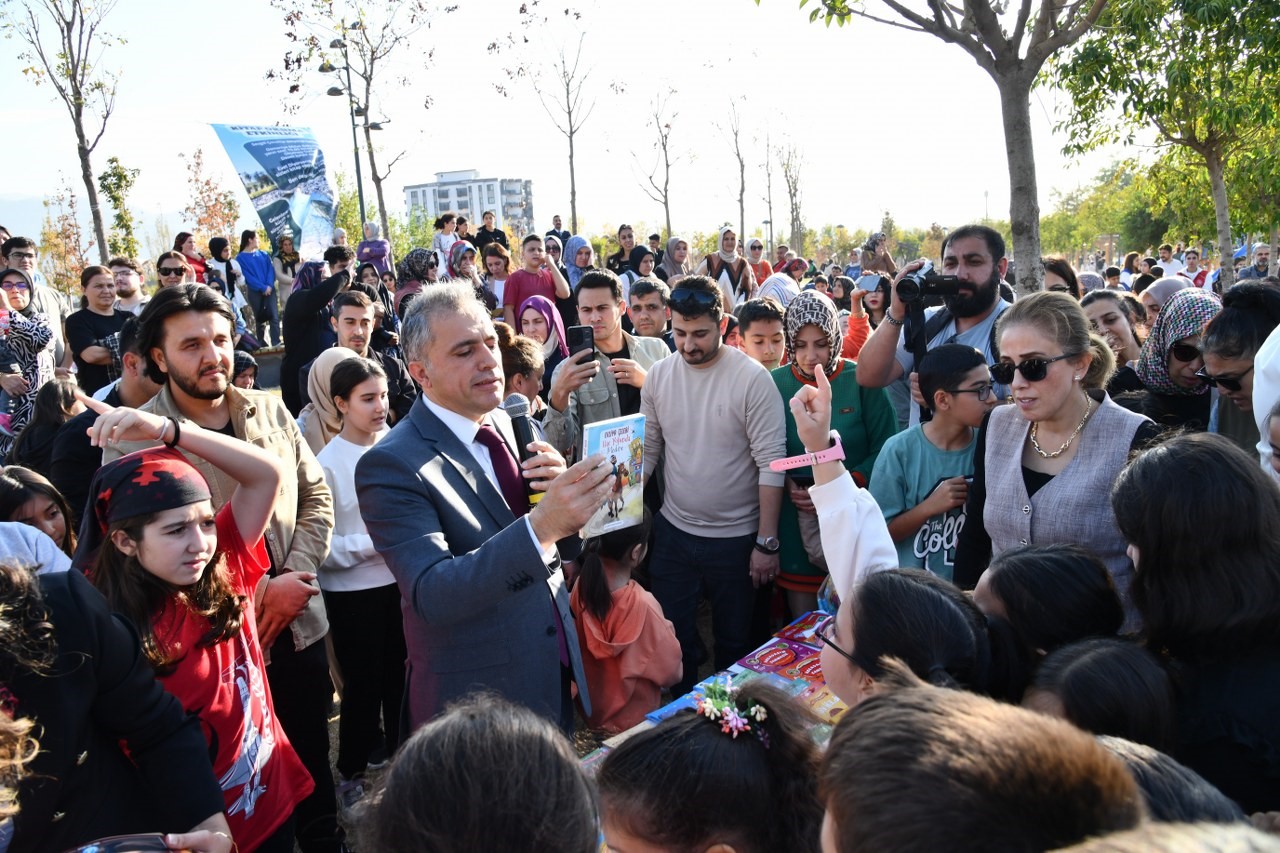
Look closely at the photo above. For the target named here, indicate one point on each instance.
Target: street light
(769, 222)
(328, 67)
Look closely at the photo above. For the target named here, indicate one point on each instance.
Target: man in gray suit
(484, 602)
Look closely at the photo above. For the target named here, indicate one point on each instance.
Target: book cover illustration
(621, 442)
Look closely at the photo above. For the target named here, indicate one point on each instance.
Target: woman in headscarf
(320, 420)
(578, 258)
(415, 271)
(373, 249)
(675, 261)
(27, 355)
(1155, 296)
(729, 270)
(863, 417)
(540, 321)
(286, 262)
(311, 274)
(462, 270)
(1173, 395)
(760, 266)
(640, 264)
(222, 272)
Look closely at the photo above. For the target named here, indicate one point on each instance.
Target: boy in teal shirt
(919, 477)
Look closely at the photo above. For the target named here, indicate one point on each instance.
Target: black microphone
(517, 408)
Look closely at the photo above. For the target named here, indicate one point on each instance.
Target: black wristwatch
(768, 544)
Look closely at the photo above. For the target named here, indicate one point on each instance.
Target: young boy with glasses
(920, 479)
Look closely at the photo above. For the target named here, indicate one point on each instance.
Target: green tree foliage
(115, 183)
(1010, 40)
(1203, 74)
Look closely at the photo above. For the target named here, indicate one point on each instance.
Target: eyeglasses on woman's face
(824, 631)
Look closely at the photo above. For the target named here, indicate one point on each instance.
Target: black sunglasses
(1032, 369)
(1185, 353)
(1231, 383)
(171, 270)
(685, 300)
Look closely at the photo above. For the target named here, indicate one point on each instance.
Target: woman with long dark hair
(1208, 588)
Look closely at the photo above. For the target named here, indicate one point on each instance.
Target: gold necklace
(1088, 408)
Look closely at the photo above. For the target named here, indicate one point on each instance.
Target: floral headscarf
(814, 308)
(1183, 316)
(413, 266)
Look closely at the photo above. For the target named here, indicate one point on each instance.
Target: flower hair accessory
(720, 703)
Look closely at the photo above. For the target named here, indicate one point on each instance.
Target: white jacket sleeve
(855, 537)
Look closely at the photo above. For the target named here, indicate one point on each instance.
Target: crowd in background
(1042, 529)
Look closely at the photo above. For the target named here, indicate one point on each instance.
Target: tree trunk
(1222, 217)
(742, 196)
(377, 182)
(1275, 247)
(1024, 202)
(573, 190)
(91, 188)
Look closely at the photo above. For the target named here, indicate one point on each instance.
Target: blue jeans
(681, 567)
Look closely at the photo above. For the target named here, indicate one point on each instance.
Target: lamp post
(335, 91)
(769, 222)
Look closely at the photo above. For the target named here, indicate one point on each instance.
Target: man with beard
(128, 278)
(714, 420)
(185, 336)
(353, 322)
(973, 253)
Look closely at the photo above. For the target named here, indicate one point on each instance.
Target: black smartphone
(580, 338)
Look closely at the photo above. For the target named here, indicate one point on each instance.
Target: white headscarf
(727, 257)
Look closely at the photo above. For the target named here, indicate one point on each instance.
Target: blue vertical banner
(282, 169)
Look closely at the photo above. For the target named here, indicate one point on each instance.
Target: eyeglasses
(171, 270)
(984, 392)
(15, 285)
(1059, 288)
(687, 301)
(22, 256)
(1185, 353)
(1231, 383)
(823, 631)
(1032, 369)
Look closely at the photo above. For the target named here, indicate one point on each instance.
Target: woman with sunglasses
(1231, 340)
(172, 268)
(27, 335)
(1172, 394)
(760, 265)
(1044, 465)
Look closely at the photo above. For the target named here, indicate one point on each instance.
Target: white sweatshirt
(352, 564)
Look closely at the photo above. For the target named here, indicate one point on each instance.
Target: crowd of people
(1042, 531)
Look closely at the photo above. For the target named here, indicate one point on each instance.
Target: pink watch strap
(834, 453)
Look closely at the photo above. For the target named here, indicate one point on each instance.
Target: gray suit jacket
(479, 603)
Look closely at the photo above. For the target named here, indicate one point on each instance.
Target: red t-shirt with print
(225, 685)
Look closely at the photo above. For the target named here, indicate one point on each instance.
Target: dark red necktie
(510, 483)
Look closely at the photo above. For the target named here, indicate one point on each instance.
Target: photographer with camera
(973, 264)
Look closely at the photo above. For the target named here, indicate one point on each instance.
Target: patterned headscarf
(459, 248)
(140, 483)
(311, 274)
(413, 266)
(814, 308)
(1183, 316)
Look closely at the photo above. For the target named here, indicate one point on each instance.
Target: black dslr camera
(924, 282)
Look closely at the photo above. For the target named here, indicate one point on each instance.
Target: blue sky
(883, 118)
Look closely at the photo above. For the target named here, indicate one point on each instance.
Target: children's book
(621, 442)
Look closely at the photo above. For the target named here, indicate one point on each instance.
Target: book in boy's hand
(621, 442)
